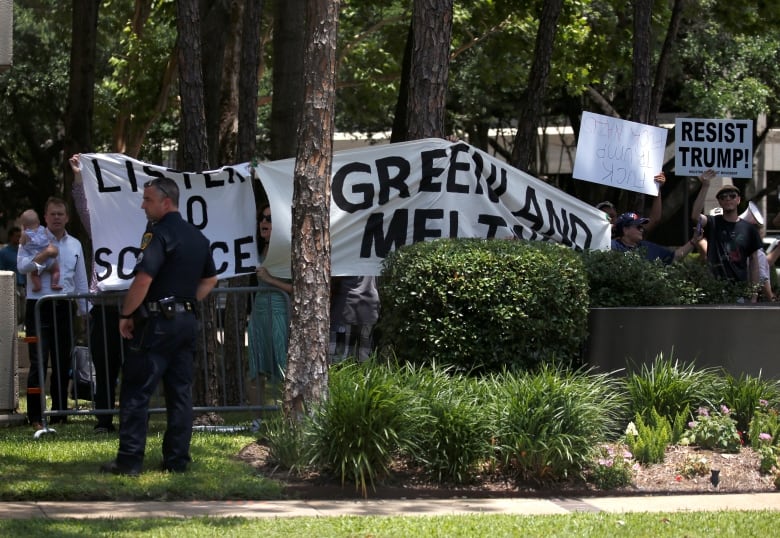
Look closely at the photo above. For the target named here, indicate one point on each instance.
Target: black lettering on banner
(125, 266)
(374, 238)
(531, 211)
(366, 189)
(455, 167)
(453, 224)
(211, 182)
(429, 172)
(493, 222)
(152, 172)
(397, 181)
(131, 176)
(576, 225)
(490, 179)
(220, 245)
(421, 217)
(558, 224)
(100, 261)
(240, 254)
(99, 177)
(233, 174)
(200, 202)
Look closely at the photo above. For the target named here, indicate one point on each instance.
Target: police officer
(173, 271)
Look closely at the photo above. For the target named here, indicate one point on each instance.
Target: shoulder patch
(145, 240)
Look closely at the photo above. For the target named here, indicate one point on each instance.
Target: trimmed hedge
(483, 304)
(627, 279)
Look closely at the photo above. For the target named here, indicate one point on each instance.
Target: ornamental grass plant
(452, 438)
(670, 387)
(549, 423)
(367, 419)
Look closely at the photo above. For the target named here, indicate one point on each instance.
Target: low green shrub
(452, 436)
(364, 422)
(284, 439)
(693, 466)
(549, 423)
(764, 425)
(714, 430)
(670, 388)
(743, 396)
(648, 440)
(627, 279)
(613, 468)
(483, 305)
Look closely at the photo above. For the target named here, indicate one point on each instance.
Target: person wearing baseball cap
(630, 230)
(732, 242)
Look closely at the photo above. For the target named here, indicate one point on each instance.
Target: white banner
(220, 203)
(725, 146)
(619, 153)
(384, 197)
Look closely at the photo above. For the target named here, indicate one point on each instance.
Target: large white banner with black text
(220, 203)
(383, 197)
(388, 196)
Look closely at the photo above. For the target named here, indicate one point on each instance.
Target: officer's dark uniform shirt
(177, 256)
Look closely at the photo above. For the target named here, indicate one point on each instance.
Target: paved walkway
(415, 507)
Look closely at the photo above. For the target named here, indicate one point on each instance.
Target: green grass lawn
(700, 524)
(63, 466)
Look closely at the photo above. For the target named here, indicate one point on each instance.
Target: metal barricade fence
(221, 385)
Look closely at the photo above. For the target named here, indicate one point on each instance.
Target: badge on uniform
(146, 239)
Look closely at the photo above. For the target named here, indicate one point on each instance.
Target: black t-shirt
(729, 246)
(177, 256)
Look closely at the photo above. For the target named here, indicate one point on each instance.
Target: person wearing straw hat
(731, 241)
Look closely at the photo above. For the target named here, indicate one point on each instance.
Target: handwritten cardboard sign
(619, 153)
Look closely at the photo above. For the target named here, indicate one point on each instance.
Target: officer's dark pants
(56, 340)
(167, 352)
(105, 344)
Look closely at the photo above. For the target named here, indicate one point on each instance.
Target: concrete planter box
(741, 339)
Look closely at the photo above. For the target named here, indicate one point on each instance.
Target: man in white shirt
(55, 332)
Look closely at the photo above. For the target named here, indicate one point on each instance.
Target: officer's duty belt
(179, 306)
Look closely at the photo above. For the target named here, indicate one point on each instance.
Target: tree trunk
(664, 59)
(288, 77)
(432, 30)
(194, 157)
(217, 31)
(306, 382)
(194, 145)
(524, 151)
(81, 94)
(248, 71)
(400, 121)
(641, 87)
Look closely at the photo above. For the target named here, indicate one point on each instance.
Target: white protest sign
(385, 197)
(219, 202)
(725, 146)
(619, 153)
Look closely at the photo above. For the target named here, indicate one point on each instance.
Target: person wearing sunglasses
(630, 230)
(732, 242)
(268, 322)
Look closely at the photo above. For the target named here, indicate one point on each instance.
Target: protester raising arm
(698, 203)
